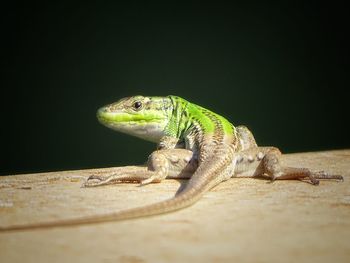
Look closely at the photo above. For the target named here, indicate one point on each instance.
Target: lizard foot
(129, 175)
(96, 180)
(291, 173)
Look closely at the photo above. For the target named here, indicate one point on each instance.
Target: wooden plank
(241, 220)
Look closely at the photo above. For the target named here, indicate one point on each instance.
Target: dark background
(281, 69)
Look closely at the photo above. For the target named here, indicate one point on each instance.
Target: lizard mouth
(115, 118)
(148, 127)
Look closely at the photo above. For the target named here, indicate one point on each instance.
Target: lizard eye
(137, 105)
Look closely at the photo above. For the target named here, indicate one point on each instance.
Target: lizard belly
(248, 162)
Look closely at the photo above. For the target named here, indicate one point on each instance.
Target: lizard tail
(205, 177)
(182, 200)
(192, 192)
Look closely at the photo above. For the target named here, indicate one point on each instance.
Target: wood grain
(241, 220)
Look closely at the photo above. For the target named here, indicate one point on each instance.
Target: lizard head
(143, 117)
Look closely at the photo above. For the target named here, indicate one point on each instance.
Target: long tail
(196, 187)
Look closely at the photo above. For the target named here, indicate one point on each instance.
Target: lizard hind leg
(273, 168)
(172, 163)
(125, 174)
(293, 173)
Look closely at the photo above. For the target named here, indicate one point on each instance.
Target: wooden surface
(241, 220)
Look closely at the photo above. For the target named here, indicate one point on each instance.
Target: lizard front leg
(265, 161)
(167, 163)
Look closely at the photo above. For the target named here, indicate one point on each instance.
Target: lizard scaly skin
(193, 143)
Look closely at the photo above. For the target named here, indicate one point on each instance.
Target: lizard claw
(314, 181)
(147, 181)
(94, 176)
(151, 179)
(325, 175)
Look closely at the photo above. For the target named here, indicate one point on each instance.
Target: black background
(281, 69)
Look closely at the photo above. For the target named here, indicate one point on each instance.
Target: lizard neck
(201, 129)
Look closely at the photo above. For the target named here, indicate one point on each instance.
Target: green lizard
(194, 143)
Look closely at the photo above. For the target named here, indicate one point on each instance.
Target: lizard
(193, 143)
